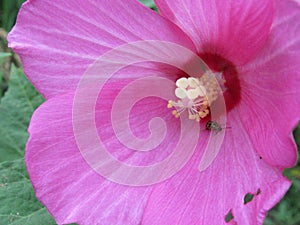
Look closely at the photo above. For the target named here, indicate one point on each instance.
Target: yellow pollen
(195, 95)
(170, 104)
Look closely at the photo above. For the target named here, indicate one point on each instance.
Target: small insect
(213, 126)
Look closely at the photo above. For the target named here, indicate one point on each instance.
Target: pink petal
(70, 189)
(136, 115)
(270, 89)
(193, 197)
(236, 30)
(65, 183)
(57, 40)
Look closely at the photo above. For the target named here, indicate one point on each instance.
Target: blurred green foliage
(14, 183)
(9, 10)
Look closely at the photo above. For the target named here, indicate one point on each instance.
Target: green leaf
(4, 55)
(148, 3)
(16, 108)
(18, 203)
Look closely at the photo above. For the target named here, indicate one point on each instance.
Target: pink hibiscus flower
(251, 50)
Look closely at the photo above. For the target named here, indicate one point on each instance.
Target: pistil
(195, 95)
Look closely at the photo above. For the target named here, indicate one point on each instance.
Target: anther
(196, 95)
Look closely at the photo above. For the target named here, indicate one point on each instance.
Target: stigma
(196, 94)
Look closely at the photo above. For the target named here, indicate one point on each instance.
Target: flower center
(232, 93)
(196, 94)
